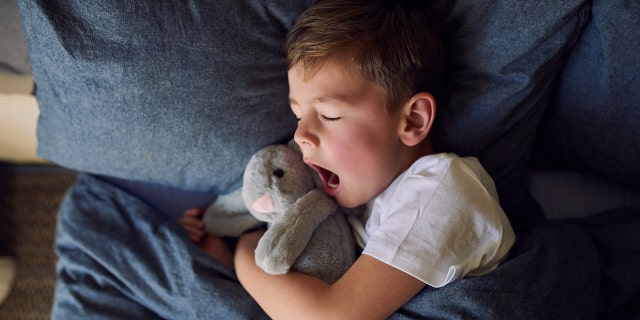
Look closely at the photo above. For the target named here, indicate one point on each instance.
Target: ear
(418, 114)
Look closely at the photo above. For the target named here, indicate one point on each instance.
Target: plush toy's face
(274, 179)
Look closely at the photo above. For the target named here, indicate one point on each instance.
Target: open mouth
(330, 180)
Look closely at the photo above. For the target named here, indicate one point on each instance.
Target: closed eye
(330, 119)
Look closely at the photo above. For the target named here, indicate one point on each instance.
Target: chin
(348, 204)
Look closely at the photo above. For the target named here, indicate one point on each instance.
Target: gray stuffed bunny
(307, 230)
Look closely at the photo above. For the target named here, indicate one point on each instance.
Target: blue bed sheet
(121, 259)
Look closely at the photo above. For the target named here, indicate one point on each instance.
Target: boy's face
(345, 132)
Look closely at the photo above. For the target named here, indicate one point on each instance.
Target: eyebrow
(336, 98)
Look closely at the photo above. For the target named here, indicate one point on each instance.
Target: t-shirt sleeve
(441, 224)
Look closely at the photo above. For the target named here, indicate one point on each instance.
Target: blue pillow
(182, 96)
(503, 59)
(593, 121)
(179, 95)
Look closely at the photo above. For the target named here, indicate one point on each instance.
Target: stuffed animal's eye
(278, 173)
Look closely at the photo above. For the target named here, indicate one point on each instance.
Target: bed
(160, 104)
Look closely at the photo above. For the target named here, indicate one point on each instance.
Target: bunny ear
(264, 204)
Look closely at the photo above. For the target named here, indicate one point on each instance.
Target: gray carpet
(29, 199)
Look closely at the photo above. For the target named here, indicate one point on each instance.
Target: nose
(304, 135)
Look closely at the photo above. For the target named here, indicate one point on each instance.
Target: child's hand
(216, 247)
(192, 222)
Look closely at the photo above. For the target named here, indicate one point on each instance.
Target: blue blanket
(121, 259)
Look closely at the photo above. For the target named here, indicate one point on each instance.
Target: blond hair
(395, 44)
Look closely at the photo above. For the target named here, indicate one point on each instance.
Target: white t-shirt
(438, 221)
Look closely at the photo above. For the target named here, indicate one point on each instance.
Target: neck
(414, 153)
(420, 150)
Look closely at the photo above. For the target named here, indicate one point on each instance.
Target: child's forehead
(340, 67)
(330, 83)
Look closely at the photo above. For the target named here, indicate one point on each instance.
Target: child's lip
(330, 181)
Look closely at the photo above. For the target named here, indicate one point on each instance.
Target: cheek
(359, 152)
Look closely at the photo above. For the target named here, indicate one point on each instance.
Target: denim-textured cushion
(177, 93)
(504, 58)
(593, 121)
(183, 95)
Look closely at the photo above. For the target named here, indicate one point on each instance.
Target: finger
(189, 213)
(195, 238)
(194, 212)
(194, 231)
(188, 221)
(193, 222)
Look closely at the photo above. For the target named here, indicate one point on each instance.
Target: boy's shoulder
(445, 160)
(451, 167)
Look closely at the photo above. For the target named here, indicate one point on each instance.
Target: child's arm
(369, 290)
